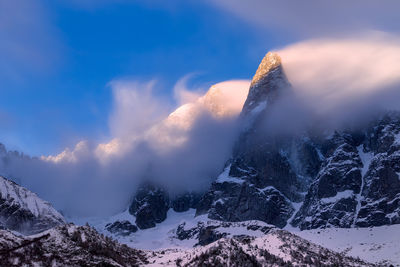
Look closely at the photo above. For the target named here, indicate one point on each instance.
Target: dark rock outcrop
(122, 228)
(206, 232)
(150, 206)
(186, 201)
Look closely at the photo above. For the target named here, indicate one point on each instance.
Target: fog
(184, 150)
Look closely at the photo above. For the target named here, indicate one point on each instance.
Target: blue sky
(61, 95)
(58, 57)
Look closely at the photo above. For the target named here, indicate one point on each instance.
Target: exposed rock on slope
(150, 206)
(276, 248)
(331, 199)
(23, 211)
(359, 183)
(121, 228)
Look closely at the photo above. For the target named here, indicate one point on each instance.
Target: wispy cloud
(29, 42)
(312, 18)
(183, 150)
(344, 71)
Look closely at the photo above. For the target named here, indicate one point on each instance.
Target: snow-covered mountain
(310, 179)
(23, 211)
(333, 190)
(346, 177)
(307, 179)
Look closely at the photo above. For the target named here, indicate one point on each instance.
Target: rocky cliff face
(358, 184)
(260, 181)
(23, 211)
(306, 179)
(150, 206)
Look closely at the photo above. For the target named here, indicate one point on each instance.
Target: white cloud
(135, 108)
(185, 95)
(185, 149)
(329, 73)
(314, 17)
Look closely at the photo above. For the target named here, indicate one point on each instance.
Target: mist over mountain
(187, 133)
(188, 148)
(297, 148)
(182, 150)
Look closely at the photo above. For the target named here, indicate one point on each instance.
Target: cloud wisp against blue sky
(54, 88)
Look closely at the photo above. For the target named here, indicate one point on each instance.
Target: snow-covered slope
(70, 245)
(379, 245)
(23, 211)
(277, 248)
(183, 235)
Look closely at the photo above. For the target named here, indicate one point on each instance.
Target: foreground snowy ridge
(183, 235)
(69, 245)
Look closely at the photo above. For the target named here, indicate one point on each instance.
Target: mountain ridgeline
(344, 177)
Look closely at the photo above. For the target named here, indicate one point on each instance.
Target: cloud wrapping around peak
(330, 74)
(336, 83)
(313, 18)
(184, 150)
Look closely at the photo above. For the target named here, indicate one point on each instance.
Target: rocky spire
(270, 62)
(268, 81)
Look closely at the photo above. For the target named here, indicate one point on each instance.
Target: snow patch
(366, 159)
(379, 245)
(257, 109)
(225, 178)
(339, 196)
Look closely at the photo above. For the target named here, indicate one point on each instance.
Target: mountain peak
(270, 62)
(267, 84)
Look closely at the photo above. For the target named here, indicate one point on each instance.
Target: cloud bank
(329, 73)
(182, 150)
